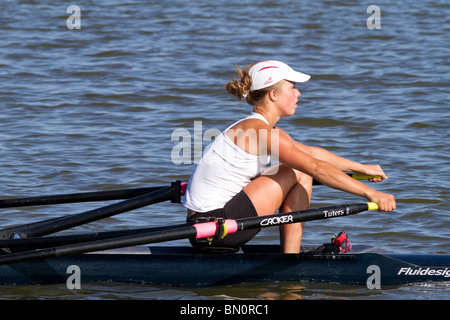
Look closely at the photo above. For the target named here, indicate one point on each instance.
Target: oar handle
(372, 206)
(358, 176)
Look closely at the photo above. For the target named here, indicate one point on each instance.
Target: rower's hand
(373, 170)
(385, 201)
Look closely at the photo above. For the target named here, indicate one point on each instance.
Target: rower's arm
(327, 173)
(341, 163)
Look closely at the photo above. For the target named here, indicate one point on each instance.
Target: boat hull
(182, 266)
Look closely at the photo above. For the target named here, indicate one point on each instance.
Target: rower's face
(287, 98)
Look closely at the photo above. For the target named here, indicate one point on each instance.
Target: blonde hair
(240, 88)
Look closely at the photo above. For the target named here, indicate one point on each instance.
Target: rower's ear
(273, 95)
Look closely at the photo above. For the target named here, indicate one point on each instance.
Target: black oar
(52, 241)
(172, 193)
(105, 195)
(199, 230)
(79, 197)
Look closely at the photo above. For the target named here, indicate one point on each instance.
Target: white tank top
(224, 170)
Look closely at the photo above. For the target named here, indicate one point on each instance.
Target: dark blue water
(95, 109)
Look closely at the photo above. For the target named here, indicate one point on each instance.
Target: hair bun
(240, 87)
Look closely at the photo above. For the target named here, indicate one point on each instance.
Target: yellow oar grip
(358, 176)
(372, 206)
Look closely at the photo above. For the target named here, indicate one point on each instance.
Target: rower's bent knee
(303, 178)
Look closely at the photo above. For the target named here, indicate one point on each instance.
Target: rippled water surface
(95, 108)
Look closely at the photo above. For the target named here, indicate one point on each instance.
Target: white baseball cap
(269, 72)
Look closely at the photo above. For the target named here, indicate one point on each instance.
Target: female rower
(232, 180)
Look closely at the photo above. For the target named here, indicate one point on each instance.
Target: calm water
(94, 109)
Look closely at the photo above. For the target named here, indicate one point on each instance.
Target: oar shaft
(52, 241)
(209, 229)
(67, 222)
(181, 233)
(79, 197)
(76, 197)
(199, 230)
(71, 221)
(118, 194)
(304, 215)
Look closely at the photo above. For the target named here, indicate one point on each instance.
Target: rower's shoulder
(282, 132)
(252, 123)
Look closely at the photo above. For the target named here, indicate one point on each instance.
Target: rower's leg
(286, 189)
(298, 198)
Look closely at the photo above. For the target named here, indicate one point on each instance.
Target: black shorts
(240, 206)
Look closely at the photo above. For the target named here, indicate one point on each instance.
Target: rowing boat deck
(182, 266)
